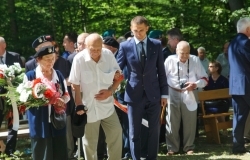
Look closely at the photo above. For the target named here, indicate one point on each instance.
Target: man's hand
(118, 76)
(164, 102)
(190, 86)
(103, 94)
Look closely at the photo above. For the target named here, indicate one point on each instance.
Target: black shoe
(247, 140)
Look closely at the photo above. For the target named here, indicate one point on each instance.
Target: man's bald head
(183, 51)
(81, 41)
(94, 45)
(93, 38)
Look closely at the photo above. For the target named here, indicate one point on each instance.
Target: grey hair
(242, 24)
(201, 49)
(2, 40)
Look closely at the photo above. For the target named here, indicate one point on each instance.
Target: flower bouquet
(39, 92)
(10, 77)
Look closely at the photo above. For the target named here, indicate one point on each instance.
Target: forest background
(207, 23)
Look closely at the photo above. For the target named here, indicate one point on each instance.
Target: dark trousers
(12, 134)
(144, 138)
(125, 135)
(241, 106)
(49, 148)
(135, 114)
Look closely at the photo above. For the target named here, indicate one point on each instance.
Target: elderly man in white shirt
(202, 57)
(94, 70)
(184, 74)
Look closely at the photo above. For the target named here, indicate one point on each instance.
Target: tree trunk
(236, 4)
(13, 23)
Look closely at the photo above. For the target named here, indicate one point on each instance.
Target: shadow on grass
(207, 150)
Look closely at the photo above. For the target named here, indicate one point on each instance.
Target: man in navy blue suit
(146, 89)
(239, 82)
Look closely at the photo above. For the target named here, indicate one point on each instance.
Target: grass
(203, 150)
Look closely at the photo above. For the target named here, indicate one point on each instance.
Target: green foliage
(204, 23)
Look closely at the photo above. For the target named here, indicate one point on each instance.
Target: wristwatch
(85, 108)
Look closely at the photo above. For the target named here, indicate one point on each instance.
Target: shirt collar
(4, 54)
(40, 75)
(144, 40)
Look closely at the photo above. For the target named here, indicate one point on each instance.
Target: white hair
(242, 24)
(2, 40)
(201, 49)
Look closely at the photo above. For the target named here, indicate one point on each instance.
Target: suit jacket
(239, 60)
(12, 57)
(152, 79)
(30, 65)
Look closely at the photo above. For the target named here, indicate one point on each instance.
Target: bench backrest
(211, 95)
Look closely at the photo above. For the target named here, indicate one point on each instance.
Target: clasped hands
(190, 86)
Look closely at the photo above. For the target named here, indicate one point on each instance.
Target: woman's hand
(60, 103)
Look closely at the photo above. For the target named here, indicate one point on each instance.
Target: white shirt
(224, 64)
(205, 63)
(92, 77)
(4, 58)
(196, 71)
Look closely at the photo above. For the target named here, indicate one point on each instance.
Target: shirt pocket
(107, 78)
(87, 77)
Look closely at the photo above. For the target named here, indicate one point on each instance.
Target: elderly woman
(47, 142)
(217, 81)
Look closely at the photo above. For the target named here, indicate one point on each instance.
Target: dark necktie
(142, 55)
(1, 59)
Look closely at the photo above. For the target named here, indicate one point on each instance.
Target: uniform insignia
(50, 50)
(40, 40)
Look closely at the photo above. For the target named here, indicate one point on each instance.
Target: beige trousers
(113, 131)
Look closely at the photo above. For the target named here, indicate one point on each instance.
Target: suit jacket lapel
(134, 50)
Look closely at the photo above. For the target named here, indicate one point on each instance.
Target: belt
(177, 90)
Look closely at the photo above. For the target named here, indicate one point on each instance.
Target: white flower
(20, 88)
(28, 84)
(24, 95)
(3, 66)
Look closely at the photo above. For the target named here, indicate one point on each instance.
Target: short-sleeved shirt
(93, 77)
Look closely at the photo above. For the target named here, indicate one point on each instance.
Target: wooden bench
(23, 130)
(211, 124)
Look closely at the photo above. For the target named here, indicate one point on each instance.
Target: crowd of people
(162, 72)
